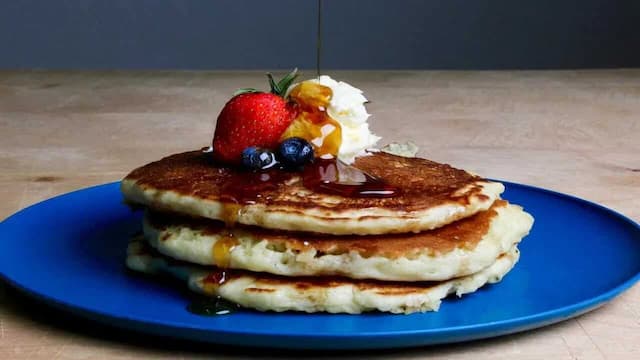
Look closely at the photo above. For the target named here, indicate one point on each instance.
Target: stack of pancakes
(287, 247)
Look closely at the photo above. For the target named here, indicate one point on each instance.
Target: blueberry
(255, 158)
(295, 151)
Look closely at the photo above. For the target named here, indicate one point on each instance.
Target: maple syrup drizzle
(326, 174)
(335, 177)
(216, 278)
(319, 39)
(210, 306)
(230, 210)
(222, 248)
(322, 175)
(313, 123)
(245, 187)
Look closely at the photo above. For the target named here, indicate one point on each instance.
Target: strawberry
(253, 118)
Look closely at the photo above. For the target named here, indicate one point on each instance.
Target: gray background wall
(252, 34)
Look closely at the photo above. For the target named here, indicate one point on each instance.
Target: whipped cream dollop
(347, 107)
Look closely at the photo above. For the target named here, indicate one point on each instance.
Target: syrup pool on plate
(211, 306)
(215, 305)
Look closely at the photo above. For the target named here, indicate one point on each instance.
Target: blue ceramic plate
(69, 251)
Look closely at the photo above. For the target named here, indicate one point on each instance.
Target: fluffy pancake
(432, 195)
(455, 250)
(266, 292)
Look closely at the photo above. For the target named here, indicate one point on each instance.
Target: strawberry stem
(280, 88)
(244, 91)
(275, 89)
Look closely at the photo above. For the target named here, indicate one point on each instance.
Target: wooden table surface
(573, 131)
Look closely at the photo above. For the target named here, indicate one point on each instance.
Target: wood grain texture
(572, 131)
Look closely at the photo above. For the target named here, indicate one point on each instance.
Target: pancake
(455, 250)
(431, 195)
(267, 292)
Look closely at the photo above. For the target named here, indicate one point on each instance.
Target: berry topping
(253, 118)
(254, 158)
(295, 152)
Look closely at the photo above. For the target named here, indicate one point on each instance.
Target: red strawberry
(253, 119)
